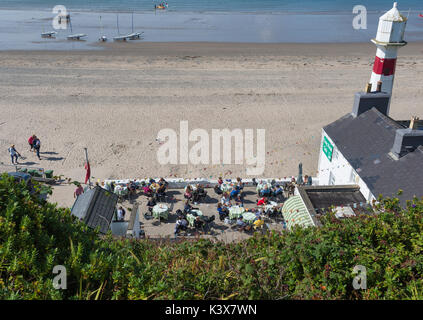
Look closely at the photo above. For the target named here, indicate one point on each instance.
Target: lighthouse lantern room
(389, 37)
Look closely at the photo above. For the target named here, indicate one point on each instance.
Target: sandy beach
(115, 101)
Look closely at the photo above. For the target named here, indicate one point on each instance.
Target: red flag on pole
(88, 174)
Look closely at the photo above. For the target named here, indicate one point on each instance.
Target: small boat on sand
(50, 34)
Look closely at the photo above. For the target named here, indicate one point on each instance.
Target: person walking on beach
(14, 154)
(31, 142)
(37, 144)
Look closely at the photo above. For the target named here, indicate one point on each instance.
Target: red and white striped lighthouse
(389, 37)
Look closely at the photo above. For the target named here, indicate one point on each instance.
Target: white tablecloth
(272, 205)
(225, 187)
(161, 210)
(191, 218)
(121, 190)
(249, 217)
(235, 212)
(261, 186)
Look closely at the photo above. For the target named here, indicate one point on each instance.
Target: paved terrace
(175, 200)
(63, 195)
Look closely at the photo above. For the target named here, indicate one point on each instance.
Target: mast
(70, 23)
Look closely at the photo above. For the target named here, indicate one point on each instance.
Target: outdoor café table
(191, 217)
(249, 217)
(235, 212)
(225, 187)
(271, 206)
(154, 186)
(261, 186)
(161, 211)
(121, 190)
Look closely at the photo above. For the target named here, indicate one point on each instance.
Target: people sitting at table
(258, 223)
(199, 193)
(132, 188)
(162, 181)
(234, 192)
(179, 212)
(239, 183)
(198, 223)
(188, 208)
(277, 191)
(239, 201)
(188, 193)
(223, 211)
(146, 189)
(181, 224)
(265, 192)
(262, 201)
(153, 185)
(217, 189)
(242, 226)
(225, 200)
(161, 191)
(257, 212)
(150, 204)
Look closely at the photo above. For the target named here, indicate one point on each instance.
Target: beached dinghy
(77, 36)
(130, 36)
(102, 38)
(134, 35)
(50, 34)
(119, 38)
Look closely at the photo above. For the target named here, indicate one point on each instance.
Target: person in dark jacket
(37, 145)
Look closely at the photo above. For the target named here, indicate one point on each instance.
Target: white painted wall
(341, 170)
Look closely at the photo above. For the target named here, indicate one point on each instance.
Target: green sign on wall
(327, 148)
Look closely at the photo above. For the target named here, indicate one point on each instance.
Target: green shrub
(307, 263)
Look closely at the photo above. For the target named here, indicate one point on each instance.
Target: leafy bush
(307, 263)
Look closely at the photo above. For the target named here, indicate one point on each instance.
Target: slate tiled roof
(96, 208)
(365, 141)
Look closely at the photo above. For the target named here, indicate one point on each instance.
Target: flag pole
(86, 159)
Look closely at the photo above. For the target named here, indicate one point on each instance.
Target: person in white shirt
(14, 154)
(121, 214)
